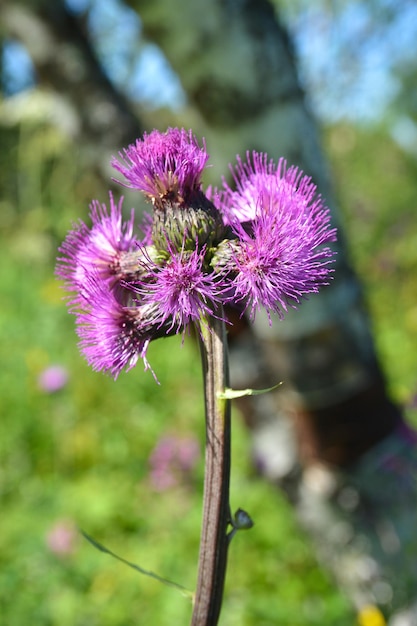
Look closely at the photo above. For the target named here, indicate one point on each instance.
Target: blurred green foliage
(376, 183)
(78, 458)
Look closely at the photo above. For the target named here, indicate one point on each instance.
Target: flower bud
(185, 227)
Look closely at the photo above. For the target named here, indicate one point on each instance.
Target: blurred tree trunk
(236, 64)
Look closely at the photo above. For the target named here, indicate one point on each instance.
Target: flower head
(113, 336)
(279, 257)
(262, 244)
(182, 289)
(97, 250)
(164, 166)
(260, 176)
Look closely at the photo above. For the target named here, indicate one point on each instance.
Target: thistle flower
(98, 250)
(98, 265)
(260, 176)
(167, 168)
(164, 166)
(279, 256)
(264, 243)
(113, 336)
(183, 289)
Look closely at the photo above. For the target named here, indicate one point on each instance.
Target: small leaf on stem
(231, 394)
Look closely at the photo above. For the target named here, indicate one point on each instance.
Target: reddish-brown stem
(216, 512)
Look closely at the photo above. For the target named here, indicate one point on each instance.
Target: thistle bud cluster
(262, 242)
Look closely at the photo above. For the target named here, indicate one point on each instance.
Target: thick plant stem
(216, 510)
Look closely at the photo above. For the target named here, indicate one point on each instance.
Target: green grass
(80, 456)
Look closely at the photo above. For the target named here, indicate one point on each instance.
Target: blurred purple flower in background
(61, 538)
(53, 378)
(172, 460)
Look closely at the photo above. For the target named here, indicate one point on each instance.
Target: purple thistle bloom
(164, 166)
(264, 244)
(279, 258)
(260, 176)
(113, 336)
(96, 250)
(182, 289)
(97, 265)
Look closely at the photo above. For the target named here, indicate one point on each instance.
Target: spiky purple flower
(262, 244)
(281, 255)
(164, 166)
(258, 176)
(113, 336)
(97, 250)
(183, 289)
